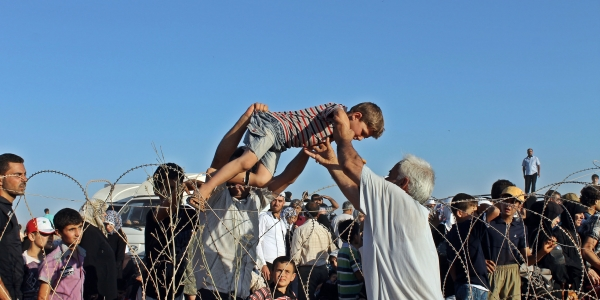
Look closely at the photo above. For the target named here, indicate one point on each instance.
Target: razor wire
(193, 258)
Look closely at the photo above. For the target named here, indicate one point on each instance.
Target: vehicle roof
(124, 192)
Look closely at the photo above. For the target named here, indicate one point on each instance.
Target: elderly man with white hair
(399, 256)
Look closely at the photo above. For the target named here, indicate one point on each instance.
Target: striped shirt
(307, 127)
(348, 262)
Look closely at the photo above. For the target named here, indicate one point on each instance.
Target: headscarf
(540, 229)
(289, 212)
(568, 215)
(113, 218)
(93, 212)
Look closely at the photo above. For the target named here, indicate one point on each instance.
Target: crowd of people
(391, 241)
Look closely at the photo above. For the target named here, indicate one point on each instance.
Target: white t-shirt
(399, 257)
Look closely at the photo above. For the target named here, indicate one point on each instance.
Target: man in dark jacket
(13, 180)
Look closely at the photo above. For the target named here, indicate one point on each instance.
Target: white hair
(420, 175)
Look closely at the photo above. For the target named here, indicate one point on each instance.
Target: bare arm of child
(44, 291)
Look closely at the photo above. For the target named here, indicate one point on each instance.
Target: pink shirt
(64, 272)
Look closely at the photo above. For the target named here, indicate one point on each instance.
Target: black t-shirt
(11, 259)
(472, 233)
(159, 259)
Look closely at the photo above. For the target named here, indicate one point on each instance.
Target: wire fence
(214, 248)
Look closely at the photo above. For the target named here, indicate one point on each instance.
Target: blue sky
(87, 88)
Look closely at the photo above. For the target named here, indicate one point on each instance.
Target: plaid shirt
(311, 244)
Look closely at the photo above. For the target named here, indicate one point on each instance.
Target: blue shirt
(531, 165)
(472, 233)
(504, 241)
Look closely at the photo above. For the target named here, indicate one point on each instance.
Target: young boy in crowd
(465, 238)
(349, 269)
(270, 133)
(41, 236)
(284, 272)
(61, 273)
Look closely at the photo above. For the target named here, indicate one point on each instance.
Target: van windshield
(134, 213)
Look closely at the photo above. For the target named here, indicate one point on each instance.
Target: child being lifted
(270, 133)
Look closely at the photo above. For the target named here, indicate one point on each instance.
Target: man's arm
(523, 170)
(587, 252)
(539, 170)
(3, 291)
(260, 262)
(334, 204)
(349, 159)
(233, 137)
(328, 159)
(289, 175)
(44, 291)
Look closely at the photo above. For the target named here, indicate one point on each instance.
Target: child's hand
(256, 107)
(549, 245)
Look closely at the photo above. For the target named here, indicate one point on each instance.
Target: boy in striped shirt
(270, 133)
(349, 270)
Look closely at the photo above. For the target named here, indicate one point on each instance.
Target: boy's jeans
(468, 292)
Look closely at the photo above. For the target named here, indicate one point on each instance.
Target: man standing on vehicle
(531, 171)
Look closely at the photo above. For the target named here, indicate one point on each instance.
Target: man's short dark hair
(595, 176)
(313, 208)
(283, 260)
(313, 197)
(7, 158)
(499, 186)
(589, 195)
(348, 229)
(46, 211)
(66, 217)
(551, 193)
(462, 202)
(166, 172)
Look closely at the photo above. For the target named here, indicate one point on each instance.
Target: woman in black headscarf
(541, 229)
(570, 241)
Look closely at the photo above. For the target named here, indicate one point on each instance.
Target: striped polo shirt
(348, 262)
(307, 127)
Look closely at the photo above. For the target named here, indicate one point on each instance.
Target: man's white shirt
(400, 260)
(531, 165)
(271, 244)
